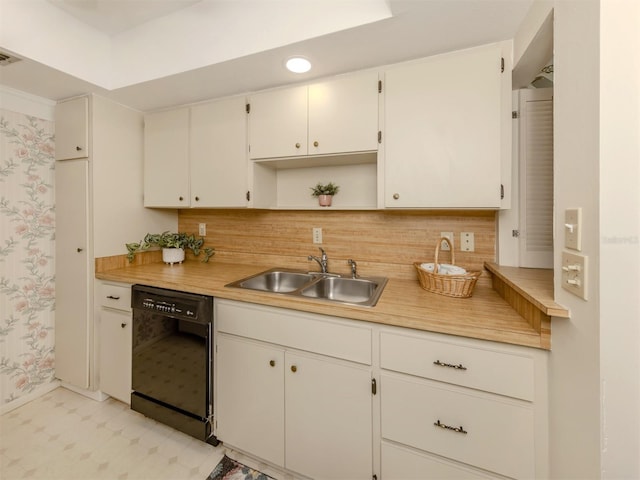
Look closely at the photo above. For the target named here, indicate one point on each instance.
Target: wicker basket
(460, 286)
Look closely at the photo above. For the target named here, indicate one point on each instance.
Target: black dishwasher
(172, 361)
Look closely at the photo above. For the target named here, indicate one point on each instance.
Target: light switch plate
(573, 228)
(574, 274)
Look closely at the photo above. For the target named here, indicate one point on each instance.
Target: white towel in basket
(444, 269)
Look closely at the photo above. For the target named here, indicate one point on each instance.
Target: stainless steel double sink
(362, 291)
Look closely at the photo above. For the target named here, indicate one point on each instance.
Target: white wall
(17, 101)
(594, 363)
(574, 366)
(620, 237)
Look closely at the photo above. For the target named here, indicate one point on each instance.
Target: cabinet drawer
(304, 331)
(400, 463)
(487, 431)
(116, 296)
(475, 367)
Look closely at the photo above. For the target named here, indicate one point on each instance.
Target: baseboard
(37, 393)
(96, 395)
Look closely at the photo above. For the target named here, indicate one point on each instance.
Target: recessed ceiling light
(298, 65)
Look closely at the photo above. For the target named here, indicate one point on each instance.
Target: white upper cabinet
(444, 138)
(343, 114)
(336, 116)
(197, 156)
(218, 153)
(278, 123)
(166, 159)
(72, 129)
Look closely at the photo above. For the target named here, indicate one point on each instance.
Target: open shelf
(286, 183)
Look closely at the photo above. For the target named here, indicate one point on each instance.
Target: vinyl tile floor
(64, 435)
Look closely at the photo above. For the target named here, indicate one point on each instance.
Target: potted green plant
(173, 246)
(325, 193)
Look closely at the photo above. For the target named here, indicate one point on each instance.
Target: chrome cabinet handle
(459, 429)
(113, 297)
(449, 365)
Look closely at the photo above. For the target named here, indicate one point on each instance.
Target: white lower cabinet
(470, 427)
(115, 341)
(250, 397)
(301, 410)
(328, 418)
(461, 408)
(408, 464)
(295, 389)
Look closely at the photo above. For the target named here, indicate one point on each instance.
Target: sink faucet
(322, 261)
(354, 268)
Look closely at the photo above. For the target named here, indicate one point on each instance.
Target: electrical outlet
(202, 229)
(317, 235)
(467, 242)
(444, 246)
(574, 274)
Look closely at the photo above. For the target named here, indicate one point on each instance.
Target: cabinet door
(115, 354)
(278, 123)
(328, 418)
(483, 430)
(400, 463)
(72, 273)
(443, 131)
(218, 140)
(166, 159)
(72, 129)
(250, 397)
(343, 114)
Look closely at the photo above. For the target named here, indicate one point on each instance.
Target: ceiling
(253, 38)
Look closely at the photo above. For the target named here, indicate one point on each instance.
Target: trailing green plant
(321, 189)
(170, 240)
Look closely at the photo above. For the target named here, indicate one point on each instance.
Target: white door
(115, 354)
(166, 159)
(442, 136)
(218, 145)
(536, 178)
(72, 273)
(328, 418)
(72, 129)
(278, 123)
(249, 406)
(343, 114)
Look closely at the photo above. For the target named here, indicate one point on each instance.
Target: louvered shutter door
(536, 178)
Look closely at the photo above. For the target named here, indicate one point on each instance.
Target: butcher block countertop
(485, 315)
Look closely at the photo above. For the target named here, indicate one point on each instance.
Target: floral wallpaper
(26, 254)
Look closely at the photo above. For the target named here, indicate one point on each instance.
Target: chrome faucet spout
(323, 260)
(354, 268)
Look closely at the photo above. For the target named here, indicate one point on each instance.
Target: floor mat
(229, 469)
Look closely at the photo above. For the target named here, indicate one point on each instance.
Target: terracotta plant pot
(325, 200)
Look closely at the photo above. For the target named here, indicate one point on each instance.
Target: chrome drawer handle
(450, 365)
(459, 429)
(112, 297)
